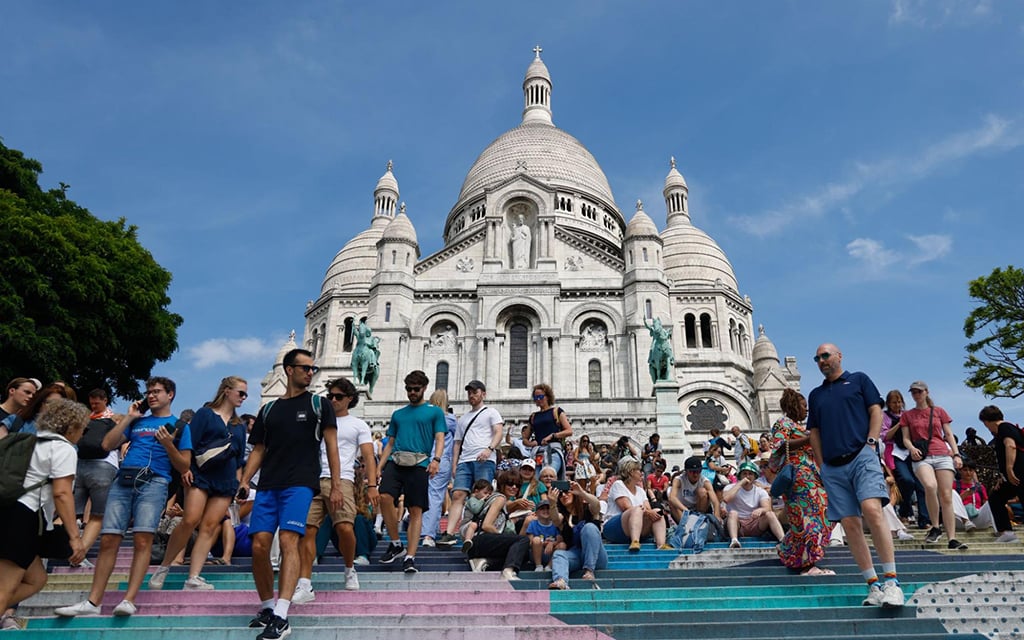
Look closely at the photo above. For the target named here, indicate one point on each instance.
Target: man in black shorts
(416, 433)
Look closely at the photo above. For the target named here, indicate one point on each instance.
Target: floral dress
(805, 542)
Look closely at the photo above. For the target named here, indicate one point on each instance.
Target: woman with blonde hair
(209, 489)
(437, 490)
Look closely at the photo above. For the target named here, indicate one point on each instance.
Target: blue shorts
(284, 508)
(849, 485)
(614, 533)
(141, 505)
(466, 473)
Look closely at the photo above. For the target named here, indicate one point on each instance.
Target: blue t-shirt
(548, 531)
(839, 410)
(413, 428)
(144, 450)
(208, 428)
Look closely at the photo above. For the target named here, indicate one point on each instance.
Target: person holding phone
(578, 516)
(139, 491)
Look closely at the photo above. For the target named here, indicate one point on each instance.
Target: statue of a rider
(660, 359)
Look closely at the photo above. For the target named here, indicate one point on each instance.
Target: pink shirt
(917, 420)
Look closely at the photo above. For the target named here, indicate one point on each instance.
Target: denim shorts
(92, 482)
(141, 504)
(466, 473)
(852, 483)
(938, 463)
(284, 508)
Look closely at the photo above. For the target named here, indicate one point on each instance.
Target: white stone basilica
(541, 279)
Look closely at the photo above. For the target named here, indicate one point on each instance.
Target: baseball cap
(918, 385)
(476, 384)
(693, 463)
(751, 467)
(529, 462)
(542, 504)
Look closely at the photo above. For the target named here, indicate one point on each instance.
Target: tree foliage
(997, 328)
(80, 299)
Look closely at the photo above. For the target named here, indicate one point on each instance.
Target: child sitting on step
(473, 512)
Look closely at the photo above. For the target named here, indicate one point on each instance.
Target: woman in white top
(50, 478)
(630, 517)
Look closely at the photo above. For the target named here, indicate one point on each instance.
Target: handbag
(922, 445)
(215, 454)
(783, 482)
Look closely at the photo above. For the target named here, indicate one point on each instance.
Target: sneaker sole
(77, 615)
(391, 560)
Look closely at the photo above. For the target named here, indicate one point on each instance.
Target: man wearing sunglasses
(286, 451)
(412, 455)
(844, 420)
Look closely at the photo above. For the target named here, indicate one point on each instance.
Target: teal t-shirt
(413, 429)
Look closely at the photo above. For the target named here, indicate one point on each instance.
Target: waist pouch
(408, 458)
(129, 476)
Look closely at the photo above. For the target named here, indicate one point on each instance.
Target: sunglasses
(242, 394)
(308, 368)
(337, 396)
(823, 356)
(539, 396)
(412, 388)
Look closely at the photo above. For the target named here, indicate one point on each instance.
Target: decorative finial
(537, 51)
(672, 160)
(760, 329)
(639, 205)
(401, 209)
(291, 336)
(392, 164)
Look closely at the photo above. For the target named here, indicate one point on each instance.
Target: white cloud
(871, 252)
(877, 259)
(217, 351)
(930, 247)
(995, 133)
(933, 14)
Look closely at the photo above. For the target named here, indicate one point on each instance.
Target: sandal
(558, 585)
(588, 575)
(818, 571)
(215, 561)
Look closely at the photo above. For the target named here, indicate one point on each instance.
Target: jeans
(436, 490)
(909, 485)
(552, 457)
(590, 554)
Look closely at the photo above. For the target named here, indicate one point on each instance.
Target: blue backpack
(692, 532)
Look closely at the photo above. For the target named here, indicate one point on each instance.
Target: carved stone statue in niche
(521, 239)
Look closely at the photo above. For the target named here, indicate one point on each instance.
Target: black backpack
(15, 456)
(90, 447)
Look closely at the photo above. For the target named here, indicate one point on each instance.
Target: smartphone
(142, 406)
(561, 485)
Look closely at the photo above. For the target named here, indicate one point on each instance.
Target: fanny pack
(219, 452)
(408, 458)
(129, 476)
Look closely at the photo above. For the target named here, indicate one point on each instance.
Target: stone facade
(541, 279)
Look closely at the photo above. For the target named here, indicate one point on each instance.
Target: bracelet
(957, 455)
(371, 486)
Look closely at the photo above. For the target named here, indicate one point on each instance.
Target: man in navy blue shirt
(844, 420)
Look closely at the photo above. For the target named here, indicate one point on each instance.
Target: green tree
(994, 359)
(80, 299)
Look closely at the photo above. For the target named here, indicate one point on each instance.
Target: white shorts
(938, 463)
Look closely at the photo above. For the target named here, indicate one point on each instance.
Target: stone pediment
(450, 252)
(595, 247)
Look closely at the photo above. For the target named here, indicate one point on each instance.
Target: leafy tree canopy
(997, 328)
(80, 299)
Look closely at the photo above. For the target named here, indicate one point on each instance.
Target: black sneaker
(956, 545)
(262, 618)
(933, 535)
(446, 540)
(394, 552)
(466, 546)
(277, 628)
(409, 565)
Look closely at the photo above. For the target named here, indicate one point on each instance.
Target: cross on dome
(392, 164)
(401, 209)
(537, 51)
(639, 205)
(672, 161)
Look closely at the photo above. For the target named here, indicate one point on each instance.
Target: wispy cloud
(995, 133)
(938, 13)
(876, 259)
(217, 351)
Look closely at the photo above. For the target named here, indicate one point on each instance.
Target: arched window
(518, 356)
(645, 254)
(648, 309)
(323, 339)
(705, 330)
(594, 378)
(347, 343)
(394, 257)
(387, 312)
(732, 335)
(690, 328)
(441, 375)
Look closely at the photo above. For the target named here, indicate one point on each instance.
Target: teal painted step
(729, 594)
(656, 603)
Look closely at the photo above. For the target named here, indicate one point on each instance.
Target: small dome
(537, 69)
(387, 181)
(353, 267)
(285, 348)
(692, 257)
(674, 179)
(764, 348)
(400, 229)
(641, 224)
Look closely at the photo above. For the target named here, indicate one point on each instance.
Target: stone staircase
(721, 593)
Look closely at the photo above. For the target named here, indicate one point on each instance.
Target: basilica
(543, 279)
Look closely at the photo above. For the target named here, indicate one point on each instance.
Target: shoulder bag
(922, 445)
(783, 482)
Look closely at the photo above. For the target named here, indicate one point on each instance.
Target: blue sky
(859, 163)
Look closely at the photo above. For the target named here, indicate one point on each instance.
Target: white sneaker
(83, 608)
(892, 595)
(1007, 536)
(508, 573)
(538, 569)
(351, 580)
(735, 544)
(428, 542)
(156, 581)
(198, 583)
(84, 564)
(875, 596)
(969, 526)
(902, 534)
(303, 595)
(125, 608)
(361, 561)
(478, 565)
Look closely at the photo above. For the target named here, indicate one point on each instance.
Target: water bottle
(233, 513)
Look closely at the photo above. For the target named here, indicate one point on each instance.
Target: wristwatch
(436, 459)
(872, 442)
(490, 448)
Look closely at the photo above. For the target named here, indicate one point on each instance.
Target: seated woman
(577, 515)
(970, 500)
(630, 517)
(496, 541)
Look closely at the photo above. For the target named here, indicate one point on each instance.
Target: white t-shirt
(352, 433)
(54, 457)
(618, 490)
(528, 452)
(746, 500)
(480, 433)
(687, 492)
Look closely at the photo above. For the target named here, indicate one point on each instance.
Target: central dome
(549, 154)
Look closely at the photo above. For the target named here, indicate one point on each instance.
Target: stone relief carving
(574, 263)
(593, 337)
(444, 340)
(465, 265)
